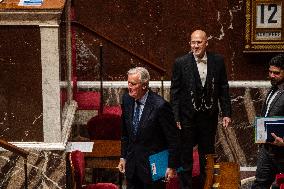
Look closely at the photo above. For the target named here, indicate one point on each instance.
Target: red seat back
(104, 127)
(196, 168)
(78, 162)
(280, 180)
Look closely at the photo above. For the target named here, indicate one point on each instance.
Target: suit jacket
(277, 105)
(276, 109)
(186, 88)
(157, 131)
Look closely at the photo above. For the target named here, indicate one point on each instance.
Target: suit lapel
(193, 79)
(264, 104)
(275, 100)
(130, 109)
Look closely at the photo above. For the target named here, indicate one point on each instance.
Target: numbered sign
(268, 15)
(264, 26)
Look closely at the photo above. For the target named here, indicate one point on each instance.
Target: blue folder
(159, 164)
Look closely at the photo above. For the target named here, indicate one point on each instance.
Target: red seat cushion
(280, 179)
(101, 186)
(196, 168)
(78, 162)
(104, 127)
(173, 183)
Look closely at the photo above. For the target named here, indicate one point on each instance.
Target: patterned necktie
(136, 117)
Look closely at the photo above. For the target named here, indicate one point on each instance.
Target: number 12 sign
(264, 26)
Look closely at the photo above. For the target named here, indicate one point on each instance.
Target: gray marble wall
(235, 143)
(46, 170)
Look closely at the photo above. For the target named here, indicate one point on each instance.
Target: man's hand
(179, 125)
(121, 165)
(226, 121)
(170, 173)
(278, 141)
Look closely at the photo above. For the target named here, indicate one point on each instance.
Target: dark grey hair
(144, 75)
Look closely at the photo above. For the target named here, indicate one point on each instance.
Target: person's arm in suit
(167, 122)
(124, 138)
(224, 96)
(175, 91)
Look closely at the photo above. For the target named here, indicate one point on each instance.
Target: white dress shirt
(202, 68)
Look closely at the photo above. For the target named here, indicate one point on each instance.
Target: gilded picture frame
(264, 26)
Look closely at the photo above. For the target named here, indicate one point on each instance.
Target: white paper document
(82, 146)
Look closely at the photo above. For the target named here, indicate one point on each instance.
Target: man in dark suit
(271, 155)
(148, 127)
(199, 83)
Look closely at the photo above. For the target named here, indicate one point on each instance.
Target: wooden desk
(47, 4)
(105, 154)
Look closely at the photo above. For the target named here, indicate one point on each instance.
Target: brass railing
(155, 66)
(150, 63)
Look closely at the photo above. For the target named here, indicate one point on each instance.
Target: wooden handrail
(14, 148)
(150, 63)
(18, 151)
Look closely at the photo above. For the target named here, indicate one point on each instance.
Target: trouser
(268, 165)
(201, 131)
(136, 183)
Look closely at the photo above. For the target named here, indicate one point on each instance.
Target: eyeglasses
(133, 84)
(196, 42)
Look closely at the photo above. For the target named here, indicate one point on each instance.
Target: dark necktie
(136, 117)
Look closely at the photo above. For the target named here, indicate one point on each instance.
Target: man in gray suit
(271, 155)
(199, 84)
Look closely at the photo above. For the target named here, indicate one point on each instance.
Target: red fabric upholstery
(115, 110)
(173, 183)
(101, 186)
(280, 179)
(196, 168)
(78, 162)
(104, 127)
(87, 100)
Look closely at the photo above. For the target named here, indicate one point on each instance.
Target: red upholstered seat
(77, 161)
(173, 183)
(280, 180)
(104, 127)
(87, 100)
(100, 186)
(115, 110)
(196, 168)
